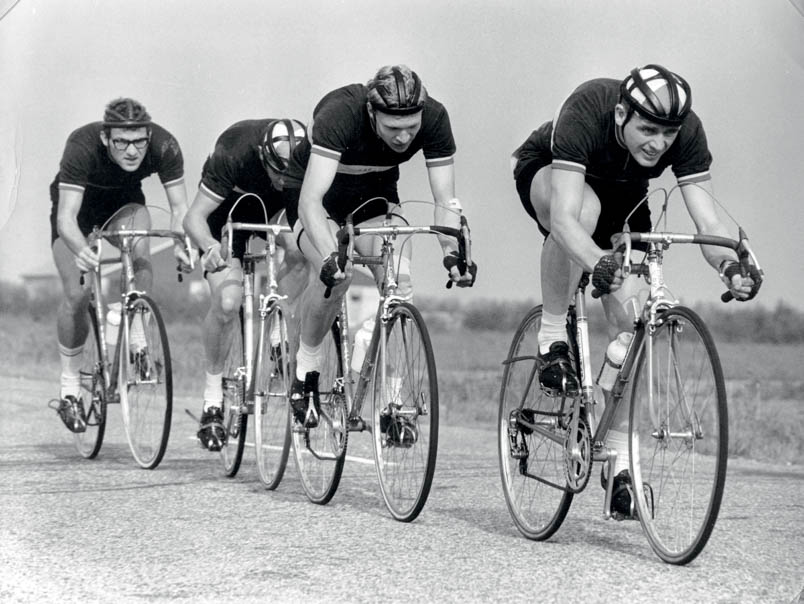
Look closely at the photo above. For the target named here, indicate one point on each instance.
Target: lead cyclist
(579, 176)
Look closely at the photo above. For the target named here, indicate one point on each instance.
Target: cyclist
(581, 174)
(360, 134)
(249, 156)
(100, 177)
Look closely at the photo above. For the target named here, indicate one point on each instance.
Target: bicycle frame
(100, 308)
(388, 233)
(267, 301)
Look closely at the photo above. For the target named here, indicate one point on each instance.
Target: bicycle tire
(93, 394)
(405, 453)
(145, 383)
(679, 436)
(321, 452)
(235, 415)
(532, 463)
(271, 400)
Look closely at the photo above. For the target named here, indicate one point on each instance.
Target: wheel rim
(88, 443)
(271, 407)
(536, 507)
(320, 452)
(679, 437)
(405, 454)
(146, 389)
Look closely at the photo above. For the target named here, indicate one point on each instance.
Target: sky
(501, 68)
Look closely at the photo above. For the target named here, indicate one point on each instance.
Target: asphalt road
(106, 531)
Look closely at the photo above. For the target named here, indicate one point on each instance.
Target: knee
(75, 301)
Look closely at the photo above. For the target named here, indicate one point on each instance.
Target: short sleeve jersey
(583, 138)
(235, 165)
(341, 129)
(85, 163)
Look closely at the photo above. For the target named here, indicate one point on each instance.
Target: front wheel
(532, 430)
(271, 392)
(405, 426)
(146, 382)
(678, 435)
(235, 412)
(321, 451)
(93, 394)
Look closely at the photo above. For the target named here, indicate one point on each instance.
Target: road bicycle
(672, 381)
(256, 370)
(398, 375)
(133, 367)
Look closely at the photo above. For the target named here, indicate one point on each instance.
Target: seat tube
(248, 321)
(582, 323)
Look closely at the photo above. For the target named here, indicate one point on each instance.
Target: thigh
(226, 286)
(69, 273)
(623, 306)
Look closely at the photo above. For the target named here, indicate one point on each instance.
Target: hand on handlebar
(87, 259)
(213, 261)
(607, 276)
(333, 271)
(186, 257)
(459, 273)
(741, 287)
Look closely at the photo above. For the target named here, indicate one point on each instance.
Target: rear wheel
(678, 435)
(235, 413)
(532, 430)
(321, 451)
(146, 382)
(271, 406)
(92, 394)
(405, 414)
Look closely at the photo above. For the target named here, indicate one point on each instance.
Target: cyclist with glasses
(100, 176)
(580, 175)
(250, 156)
(359, 136)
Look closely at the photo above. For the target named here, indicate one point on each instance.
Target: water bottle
(362, 341)
(615, 355)
(113, 322)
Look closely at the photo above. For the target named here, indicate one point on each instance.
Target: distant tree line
(733, 322)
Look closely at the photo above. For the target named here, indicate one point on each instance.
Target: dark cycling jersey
(341, 129)
(235, 168)
(86, 167)
(582, 138)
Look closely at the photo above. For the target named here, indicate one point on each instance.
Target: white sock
(213, 390)
(70, 370)
(308, 358)
(619, 442)
(553, 329)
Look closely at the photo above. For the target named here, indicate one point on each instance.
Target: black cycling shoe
(301, 394)
(71, 412)
(399, 431)
(211, 433)
(556, 376)
(622, 500)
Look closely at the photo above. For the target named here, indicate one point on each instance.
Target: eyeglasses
(121, 144)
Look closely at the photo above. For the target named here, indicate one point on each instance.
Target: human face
(397, 131)
(130, 157)
(646, 141)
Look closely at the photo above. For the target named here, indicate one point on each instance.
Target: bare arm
(317, 180)
(195, 225)
(698, 199)
(442, 185)
(177, 199)
(566, 202)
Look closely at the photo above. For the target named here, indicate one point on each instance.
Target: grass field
(764, 381)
